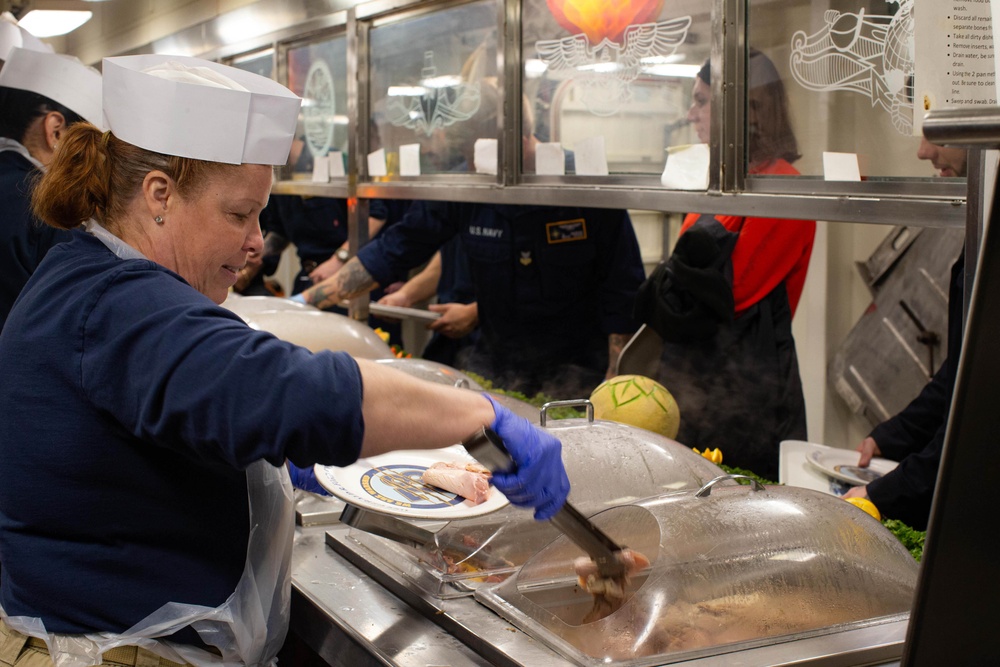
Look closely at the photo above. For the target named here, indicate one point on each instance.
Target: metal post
(358, 115)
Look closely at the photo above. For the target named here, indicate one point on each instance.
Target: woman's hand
(305, 479)
(539, 480)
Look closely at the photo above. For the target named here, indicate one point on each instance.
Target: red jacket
(769, 250)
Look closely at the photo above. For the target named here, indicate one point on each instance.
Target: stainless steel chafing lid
(608, 464)
(731, 569)
(432, 371)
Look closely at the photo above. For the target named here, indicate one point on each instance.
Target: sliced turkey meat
(469, 480)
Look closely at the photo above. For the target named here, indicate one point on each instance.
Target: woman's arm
(401, 411)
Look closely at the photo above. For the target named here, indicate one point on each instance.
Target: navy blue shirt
(551, 284)
(23, 239)
(132, 406)
(454, 286)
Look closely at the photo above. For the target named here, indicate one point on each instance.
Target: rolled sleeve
(410, 242)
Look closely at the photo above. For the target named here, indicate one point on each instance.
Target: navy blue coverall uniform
(551, 284)
(317, 227)
(23, 240)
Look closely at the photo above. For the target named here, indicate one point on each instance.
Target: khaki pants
(17, 650)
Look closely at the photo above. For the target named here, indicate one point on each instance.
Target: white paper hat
(12, 35)
(188, 107)
(61, 78)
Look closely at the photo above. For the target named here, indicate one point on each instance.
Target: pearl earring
(158, 219)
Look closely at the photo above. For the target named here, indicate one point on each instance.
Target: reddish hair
(96, 175)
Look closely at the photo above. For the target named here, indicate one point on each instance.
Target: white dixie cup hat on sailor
(12, 35)
(59, 77)
(193, 108)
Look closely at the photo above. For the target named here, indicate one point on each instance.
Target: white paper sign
(336, 160)
(409, 160)
(486, 156)
(687, 167)
(591, 158)
(376, 163)
(321, 170)
(841, 167)
(953, 59)
(550, 159)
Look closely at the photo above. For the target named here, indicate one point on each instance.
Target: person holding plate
(915, 436)
(144, 504)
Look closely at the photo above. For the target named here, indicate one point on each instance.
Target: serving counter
(351, 613)
(349, 618)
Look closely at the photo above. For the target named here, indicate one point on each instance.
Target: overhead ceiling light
(53, 22)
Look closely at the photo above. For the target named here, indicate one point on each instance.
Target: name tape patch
(566, 230)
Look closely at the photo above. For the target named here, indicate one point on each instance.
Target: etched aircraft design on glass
(605, 71)
(868, 54)
(434, 103)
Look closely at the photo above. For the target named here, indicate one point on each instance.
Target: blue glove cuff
(305, 479)
(540, 480)
(298, 298)
(496, 410)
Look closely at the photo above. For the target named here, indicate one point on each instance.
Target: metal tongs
(488, 448)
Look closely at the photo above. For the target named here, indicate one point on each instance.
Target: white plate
(390, 483)
(842, 464)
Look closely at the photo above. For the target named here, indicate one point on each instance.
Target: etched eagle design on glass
(434, 103)
(870, 54)
(604, 60)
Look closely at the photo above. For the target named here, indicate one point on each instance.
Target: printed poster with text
(953, 63)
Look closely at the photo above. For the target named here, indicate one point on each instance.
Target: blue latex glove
(540, 480)
(298, 298)
(305, 479)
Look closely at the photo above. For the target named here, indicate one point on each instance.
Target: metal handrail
(972, 127)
